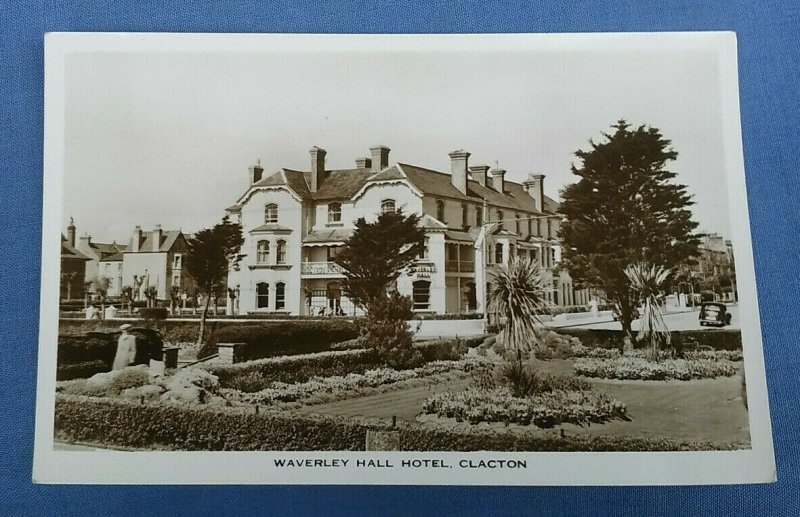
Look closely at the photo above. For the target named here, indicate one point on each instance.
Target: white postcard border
(578, 468)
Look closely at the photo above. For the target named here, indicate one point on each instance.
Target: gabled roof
(168, 239)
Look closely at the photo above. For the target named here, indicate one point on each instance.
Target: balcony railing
(321, 268)
(454, 266)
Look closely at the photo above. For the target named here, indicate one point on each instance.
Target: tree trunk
(203, 321)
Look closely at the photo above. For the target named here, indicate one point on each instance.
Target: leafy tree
(101, 286)
(625, 209)
(212, 252)
(647, 281)
(517, 297)
(375, 255)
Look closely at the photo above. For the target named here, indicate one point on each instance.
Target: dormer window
(440, 210)
(334, 212)
(388, 206)
(271, 213)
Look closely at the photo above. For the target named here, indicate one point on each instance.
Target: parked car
(715, 314)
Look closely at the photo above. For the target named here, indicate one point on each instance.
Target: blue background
(769, 52)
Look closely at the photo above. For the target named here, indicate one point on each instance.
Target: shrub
(291, 369)
(94, 346)
(82, 370)
(156, 314)
(523, 381)
(283, 338)
(442, 349)
(165, 426)
(386, 331)
(631, 367)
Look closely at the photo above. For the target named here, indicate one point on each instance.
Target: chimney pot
(136, 240)
(71, 232)
(380, 157)
(480, 174)
(317, 167)
(157, 238)
(498, 178)
(458, 169)
(534, 186)
(256, 172)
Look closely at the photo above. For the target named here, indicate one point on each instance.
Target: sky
(167, 138)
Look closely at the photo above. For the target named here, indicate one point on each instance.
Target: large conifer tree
(623, 210)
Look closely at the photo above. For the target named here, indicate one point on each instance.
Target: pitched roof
(69, 252)
(168, 238)
(438, 183)
(117, 257)
(344, 183)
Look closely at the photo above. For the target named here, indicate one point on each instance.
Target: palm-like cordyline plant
(646, 281)
(517, 295)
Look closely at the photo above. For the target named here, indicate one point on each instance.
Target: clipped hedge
(172, 331)
(297, 368)
(283, 337)
(200, 428)
(718, 339)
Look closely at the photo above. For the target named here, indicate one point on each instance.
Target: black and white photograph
(496, 259)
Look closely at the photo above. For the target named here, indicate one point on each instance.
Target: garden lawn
(404, 404)
(704, 409)
(701, 409)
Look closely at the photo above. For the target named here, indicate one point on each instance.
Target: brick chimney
(256, 172)
(157, 233)
(136, 239)
(480, 174)
(317, 167)
(534, 186)
(458, 169)
(71, 232)
(380, 157)
(363, 163)
(498, 178)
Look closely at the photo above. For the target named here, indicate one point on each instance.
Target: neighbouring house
(715, 271)
(154, 259)
(111, 267)
(97, 252)
(73, 267)
(295, 221)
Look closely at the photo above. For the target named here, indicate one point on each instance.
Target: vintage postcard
(397, 259)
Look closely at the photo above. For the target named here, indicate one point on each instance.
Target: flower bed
(542, 410)
(341, 386)
(639, 368)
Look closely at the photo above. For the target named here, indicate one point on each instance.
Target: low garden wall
(431, 328)
(718, 339)
(152, 425)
